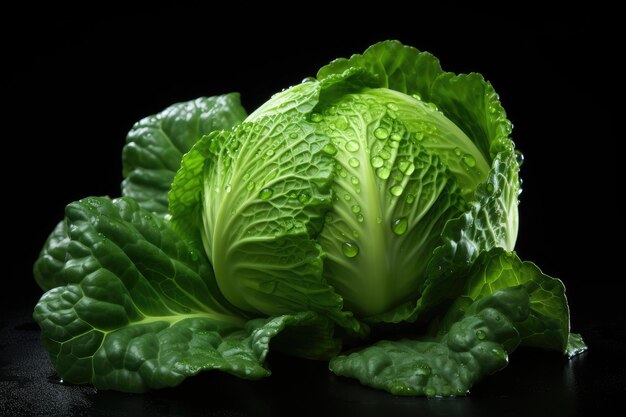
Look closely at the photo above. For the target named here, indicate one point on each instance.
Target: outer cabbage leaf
(475, 345)
(472, 104)
(489, 222)
(393, 197)
(51, 259)
(466, 99)
(120, 237)
(139, 309)
(547, 325)
(394, 66)
(258, 194)
(505, 302)
(156, 144)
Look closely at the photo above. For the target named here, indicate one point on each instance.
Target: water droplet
(500, 353)
(266, 193)
(406, 167)
(354, 163)
(360, 218)
(341, 123)
(308, 79)
(396, 190)
(355, 233)
(381, 133)
(457, 151)
(492, 109)
(316, 117)
(430, 391)
(383, 173)
(490, 188)
(250, 186)
(419, 136)
(350, 249)
(520, 157)
(396, 136)
(469, 160)
(193, 255)
(480, 334)
(416, 96)
(347, 197)
(399, 225)
(352, 146)
(228, 188)
(432, 106)
(354, 180)
(379, 220)
(394, 145)
(246, 176)
(410, 198)
(329, 149)
(385, 154)
(392, 106)
(377, 162)
(293, 135)
(304, 198)
(356, 209)
(343, 173)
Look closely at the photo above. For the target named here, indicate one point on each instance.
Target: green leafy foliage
(475, 345)
(384, 191)
(504, 303)
(140, 309)
(156, 144)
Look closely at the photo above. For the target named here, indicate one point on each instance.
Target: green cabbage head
(383, 191)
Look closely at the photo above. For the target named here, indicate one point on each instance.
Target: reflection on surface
(536, 383)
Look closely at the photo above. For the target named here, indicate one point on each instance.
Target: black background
(75, 83)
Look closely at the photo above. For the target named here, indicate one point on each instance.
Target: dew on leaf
(350, 249)
(469, 160)
(396, 190)
(383, 173)
(377, 162)
(329, 149)
(352, 146)
(381, 133)
(266, 193)
(399, 226)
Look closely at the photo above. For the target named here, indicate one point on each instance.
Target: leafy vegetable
(383, 191)
(156, 144)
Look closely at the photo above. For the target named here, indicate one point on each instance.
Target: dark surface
(73, 85)
(534, 384)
